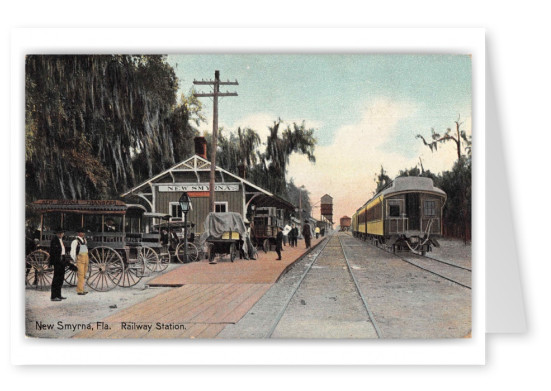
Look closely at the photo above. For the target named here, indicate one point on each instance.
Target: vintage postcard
(341, 204)
(249, 196)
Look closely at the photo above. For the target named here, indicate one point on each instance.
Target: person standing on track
(79, 253)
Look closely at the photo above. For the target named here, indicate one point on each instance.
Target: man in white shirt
(79, 253)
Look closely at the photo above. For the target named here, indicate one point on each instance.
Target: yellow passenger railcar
(407, 214)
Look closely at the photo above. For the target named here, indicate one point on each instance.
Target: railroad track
(369, 313)
(449, 271)
(335, 244)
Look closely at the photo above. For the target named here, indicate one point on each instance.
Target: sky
(366, 110)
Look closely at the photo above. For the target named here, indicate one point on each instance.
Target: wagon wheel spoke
(192, 253)
(151, 259)
(37, 273)
(134, 270)
(131, 276)
(104, 269)
(164, 260)
(70, 276)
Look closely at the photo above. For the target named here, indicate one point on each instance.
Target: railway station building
(233, 193)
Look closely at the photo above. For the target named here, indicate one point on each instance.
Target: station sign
(199, 187)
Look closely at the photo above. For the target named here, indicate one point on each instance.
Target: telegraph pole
(216, 93)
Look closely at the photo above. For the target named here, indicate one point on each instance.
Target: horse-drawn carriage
(122, 249)
(172, 240)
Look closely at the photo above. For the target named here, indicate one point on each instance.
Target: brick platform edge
(301, 257)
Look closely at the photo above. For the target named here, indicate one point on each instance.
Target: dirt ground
(63, 319)
(453, 250)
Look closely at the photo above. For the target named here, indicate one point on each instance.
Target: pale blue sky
(366, 110)
(331, 90)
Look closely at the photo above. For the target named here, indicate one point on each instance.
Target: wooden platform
(204, 300)
(264, 270)
(191, 311)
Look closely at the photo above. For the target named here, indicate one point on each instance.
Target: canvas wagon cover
(218, 223)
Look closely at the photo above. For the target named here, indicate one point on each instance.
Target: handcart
(226, 234)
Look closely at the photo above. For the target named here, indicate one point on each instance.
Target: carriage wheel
(266, 245)
(105, 269)
(233, 252)
(70, 276)
(192, 253)
(164, 260)
(134, 270)
(37, 272)
(151, 259)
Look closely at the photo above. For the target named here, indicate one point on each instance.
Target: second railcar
(407, 214)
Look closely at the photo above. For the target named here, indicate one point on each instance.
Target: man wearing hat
(279, 242)
(307, 233)
(79, 253)
(57, 260)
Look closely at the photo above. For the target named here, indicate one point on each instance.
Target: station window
(175, 209)
(220, 207)
(430, 208)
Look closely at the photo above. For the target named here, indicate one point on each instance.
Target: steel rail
(282, 311)
(430, 271)
(444, 262)
(422, 268)
(369, 313)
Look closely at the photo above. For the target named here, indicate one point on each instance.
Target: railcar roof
(411, 183)
(405, 184)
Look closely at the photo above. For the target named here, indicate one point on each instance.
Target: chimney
(201, 147)
(242, 170)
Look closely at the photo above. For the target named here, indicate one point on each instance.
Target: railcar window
(394, 211)
(430, 208)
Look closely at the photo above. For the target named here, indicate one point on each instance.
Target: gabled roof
(194, 163)
(197, 163)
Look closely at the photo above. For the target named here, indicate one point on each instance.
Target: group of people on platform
(292, 236)
(77, 258)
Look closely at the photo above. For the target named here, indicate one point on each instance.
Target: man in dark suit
(279, 243)
(57, 260)
(307, 233)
